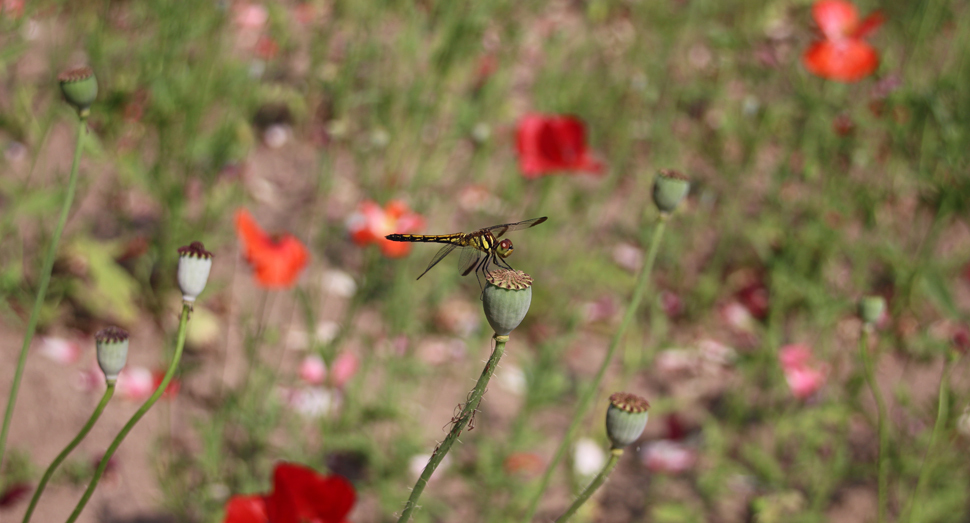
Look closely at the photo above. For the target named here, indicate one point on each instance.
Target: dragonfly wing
(469, 260)
(444, 251)
(499, 230)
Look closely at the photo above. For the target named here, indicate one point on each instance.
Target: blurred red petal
(836, 18)
(845, 61)
(394, 249)
(548, 143)
(868, 25)
(300, 494)
(246, 509)
(277, 263)
(173, 386)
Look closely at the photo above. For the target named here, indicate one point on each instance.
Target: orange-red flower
(842, 54)
(370, 224)
(299, 495)
(277, 261)
(553, 143)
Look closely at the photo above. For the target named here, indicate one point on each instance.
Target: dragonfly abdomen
(426, 238)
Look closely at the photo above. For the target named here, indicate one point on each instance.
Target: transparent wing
(469, 260)
(444, 251)
(499, 230)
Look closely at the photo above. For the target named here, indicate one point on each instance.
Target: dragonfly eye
(504, 248)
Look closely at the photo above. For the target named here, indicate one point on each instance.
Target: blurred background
(336, 122)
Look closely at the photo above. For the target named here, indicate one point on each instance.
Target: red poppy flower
(278, 261)
(370, 224)
(299, 495)
(550, 143)
(842, 54)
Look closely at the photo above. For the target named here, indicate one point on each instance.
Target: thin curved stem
(45, 279)
(179, 345)
(68, 449)
(594, 486)
(459, 423)
(587, 399)
(882, 427)
(942, 413)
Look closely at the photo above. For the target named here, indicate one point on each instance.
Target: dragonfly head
(504, 248)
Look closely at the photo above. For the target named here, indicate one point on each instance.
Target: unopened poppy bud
(194, 265)
(506, 299)
(669, 189)
(626, 418)
(80, 88)
(871, 308)
(112, 345)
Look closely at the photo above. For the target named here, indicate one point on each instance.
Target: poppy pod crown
(194, 265)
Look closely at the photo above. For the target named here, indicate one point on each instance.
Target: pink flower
(344, 368)
(804, 376)
(135, 383)
(548, 143)
(668, 456)
(313, 370)
(60, 350)
(251, 17)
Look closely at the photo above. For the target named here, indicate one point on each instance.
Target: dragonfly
(479, 249)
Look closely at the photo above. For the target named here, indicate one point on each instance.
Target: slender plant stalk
(883, 428)
(45, 279)
(587, 399)
(68, 449)
(942, 413)
(597, 481)
(467, 413)
(179, 345)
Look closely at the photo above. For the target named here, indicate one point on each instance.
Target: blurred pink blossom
(668, 456)
(344, 368)
(135, 383)
(803, 374)
(676, 362)
(12, 9)
(251, 17)
(737, 317)
(602, 309)
(60, 350)
(313, 370)
(90, 379)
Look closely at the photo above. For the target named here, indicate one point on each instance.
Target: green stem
(179, 345)
(883, 428)
(587, 399)
(45, 279)
(597, 481)
(942, 413)
(68, 449)
(467, 414)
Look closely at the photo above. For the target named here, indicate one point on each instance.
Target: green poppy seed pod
(506, 299)
(194, 265)
(80, 88)
(669, 189)
(871, 307)
(112, 345)
(626, 418)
